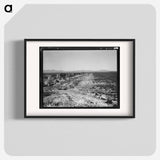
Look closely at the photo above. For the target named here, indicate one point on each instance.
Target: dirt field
(94, 89)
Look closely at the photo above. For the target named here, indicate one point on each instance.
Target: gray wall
(81, 136)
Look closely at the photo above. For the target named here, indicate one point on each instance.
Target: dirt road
(76, 98)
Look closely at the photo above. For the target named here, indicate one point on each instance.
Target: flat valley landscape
(80, 89)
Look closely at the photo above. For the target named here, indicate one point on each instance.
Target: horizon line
(52, 70)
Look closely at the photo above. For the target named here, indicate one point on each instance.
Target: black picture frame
(41, 49)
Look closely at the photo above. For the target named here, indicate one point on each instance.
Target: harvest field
(80, 89)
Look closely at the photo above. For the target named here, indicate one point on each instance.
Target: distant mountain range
(76, 71)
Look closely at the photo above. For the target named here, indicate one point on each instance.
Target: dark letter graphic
(8, 8)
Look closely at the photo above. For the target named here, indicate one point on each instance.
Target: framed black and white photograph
(79, 78)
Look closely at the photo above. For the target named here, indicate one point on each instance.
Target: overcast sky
(72, 60)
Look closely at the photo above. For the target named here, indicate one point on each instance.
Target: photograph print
(79, 77)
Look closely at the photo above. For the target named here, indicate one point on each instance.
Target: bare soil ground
(80, 90)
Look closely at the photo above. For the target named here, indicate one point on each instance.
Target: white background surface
(6, 17)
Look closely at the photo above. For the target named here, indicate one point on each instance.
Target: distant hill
(76, 71)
